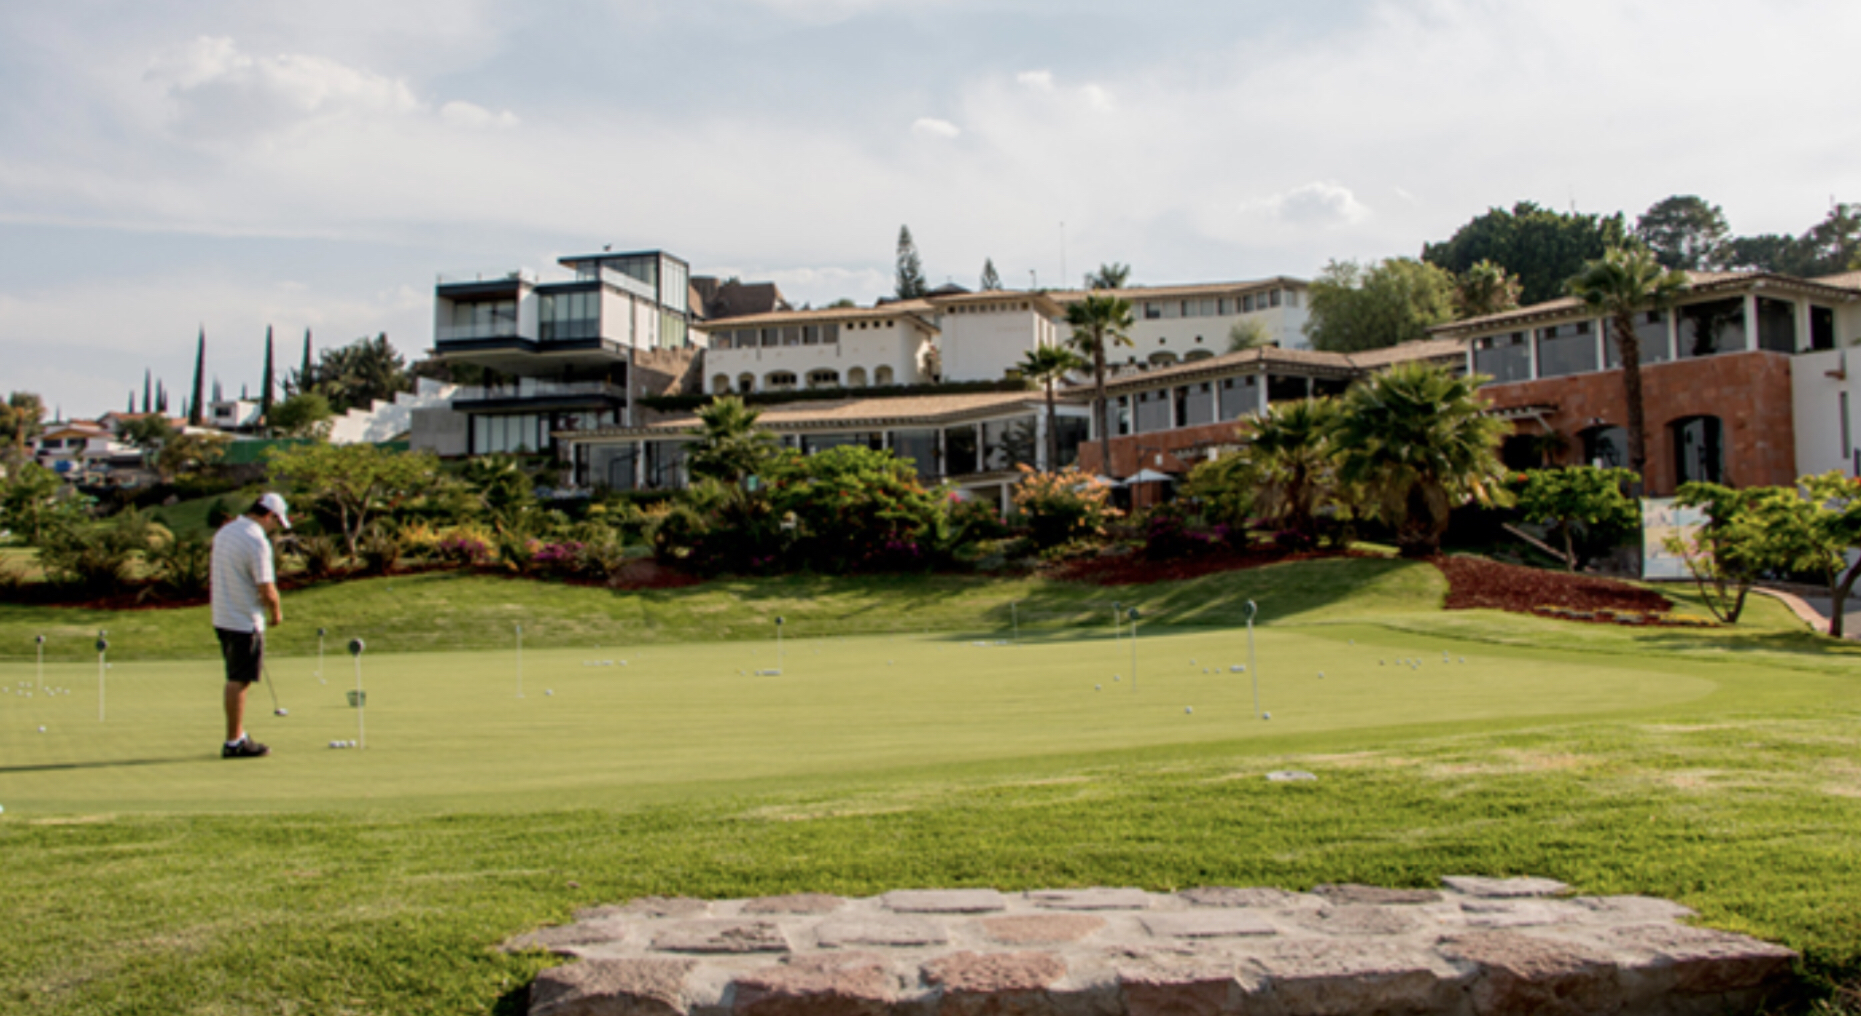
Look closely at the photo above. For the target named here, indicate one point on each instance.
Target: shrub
(852, 508)
(516, 551)
(318, 555)
(98, 559)
(381, 551)
(1062, 507)
(1167, 535)
(182, 564)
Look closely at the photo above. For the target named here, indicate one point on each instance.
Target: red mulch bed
(1475, 583)
(1136, 569)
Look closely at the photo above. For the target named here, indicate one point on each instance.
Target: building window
(771, 337)
(1273, 298)
(1776, 325)
(818, 379)
(1699, 449)
(1821, 327)
(791, 336)
(1197, 354)
(1152, 311)
(1711, 328)
(746, 383)
(1605, 446)
(720, 384)
(856, 377)
(1566, 349)
(882, 376)
(1292, 298)
(1162, 359)
(485, 319)
(780, 381)
(1503, 357)
(569, 316)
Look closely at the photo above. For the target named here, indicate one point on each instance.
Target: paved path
(1478, 947)
(1814, 610)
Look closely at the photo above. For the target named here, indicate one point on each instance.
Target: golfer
(245, 591)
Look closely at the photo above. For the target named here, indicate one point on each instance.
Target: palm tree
(729, 447)
(1291, 446)
(1622, 282)
(1047, 366)
(1096, 320)
(1419, 442)
(1109, 276)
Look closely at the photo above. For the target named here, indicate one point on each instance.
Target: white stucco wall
(1817, 402)
(983, 341)
(895, 343)
(1179, 335)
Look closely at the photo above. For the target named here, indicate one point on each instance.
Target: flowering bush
(1064, 506)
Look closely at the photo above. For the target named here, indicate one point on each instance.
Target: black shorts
(244, 652)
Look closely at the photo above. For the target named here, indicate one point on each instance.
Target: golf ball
(1321, 673)
(549, 691)
(1266, 716)
(1188, 709)
(41, 730)
(1098, 687)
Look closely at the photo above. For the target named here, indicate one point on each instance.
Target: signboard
(1661, 518)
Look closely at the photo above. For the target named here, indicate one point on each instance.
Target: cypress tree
(264, 395)
(910, 269)
(200, 379)
(305, 380)
(161, 398)
(146, 403)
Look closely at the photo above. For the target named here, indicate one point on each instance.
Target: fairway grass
(1721, 768)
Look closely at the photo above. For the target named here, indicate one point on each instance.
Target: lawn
(1715, 767)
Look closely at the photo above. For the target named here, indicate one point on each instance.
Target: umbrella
(1148, 476)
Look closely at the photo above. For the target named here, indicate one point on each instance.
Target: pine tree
(264, 395)
(132, 401)
(161, 398)
(911, 283)
(146, 404)
(990, 280)
(200, 379)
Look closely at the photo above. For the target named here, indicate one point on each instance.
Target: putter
(276, 709)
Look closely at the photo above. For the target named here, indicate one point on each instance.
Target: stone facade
(1480, 947)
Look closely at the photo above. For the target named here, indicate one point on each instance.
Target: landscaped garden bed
(1476, 583)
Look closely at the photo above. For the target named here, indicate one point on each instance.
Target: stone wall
(1480, 947)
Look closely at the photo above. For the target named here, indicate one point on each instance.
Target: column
(1261, 393)
(1751, 322)
(1040, 441)
(1531, 354)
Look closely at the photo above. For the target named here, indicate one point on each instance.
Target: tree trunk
(1838, 595)
(1570, 550)
(1628, 344)
(1053, 439)
(1098, 373)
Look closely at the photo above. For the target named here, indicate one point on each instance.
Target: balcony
(540, 393)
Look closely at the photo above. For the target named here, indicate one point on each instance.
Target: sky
(232, 166)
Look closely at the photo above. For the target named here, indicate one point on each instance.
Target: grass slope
(1717, 768)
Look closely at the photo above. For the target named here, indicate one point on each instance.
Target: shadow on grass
(515, 1002)
(49, 767)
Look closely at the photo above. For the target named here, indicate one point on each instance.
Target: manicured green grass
(1718, 768)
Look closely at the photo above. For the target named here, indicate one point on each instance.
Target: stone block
(944, 901)
(649, 906)
(996, 984)
(879, 929)
(721, 936)
(1632, 909)
(1207, 924)
(1358, 920)
(823, 984)
(1223, 896)
(1035, 929)
(565, 939)
(1520, 913)
(1375, 895)
(1332, 977)
(1503, 888)
(625, 987)
(1701, 961)
(794, 903)
(1517, 974)
(1090, 899)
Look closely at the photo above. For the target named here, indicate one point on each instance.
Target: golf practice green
(611, 724)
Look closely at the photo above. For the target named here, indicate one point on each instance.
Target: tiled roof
(1136, 293)
(1269, 357)
(828, 314)
(1699, 283)
(1043, 302)
(895, 411)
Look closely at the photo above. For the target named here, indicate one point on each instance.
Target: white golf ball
(1114, 677)
(1321, 673)
(1188, 709)
(41, 730)
(549, 691)
(1098, 687)
(1266, 716)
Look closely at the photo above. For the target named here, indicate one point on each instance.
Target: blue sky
(233, 165)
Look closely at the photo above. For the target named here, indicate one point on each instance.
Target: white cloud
(1041, 80)
(930, 126)
(217, 90)
(1321, 203)
(476, 117)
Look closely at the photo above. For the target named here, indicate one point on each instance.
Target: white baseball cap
(274, 503)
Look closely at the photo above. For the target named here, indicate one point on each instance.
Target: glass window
(1153, 412)
(791, 336)
(1776, 325)
(1650, 331)
(882, 376)
(1273, 298)
(830, 334)
(919, 447)
(1008, 443)
(1566, 349)
(1208, 308)
(1239, 397)
(1707, 329)
(1605, 446)
(856, 377)
(1699, 449)
(1247, 304)
(1503, 357)
(1821, 328)
(1070, 432)
(1224, 307)
(959, 449)
(781, 379)
(823, 378)
(1152, 311)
